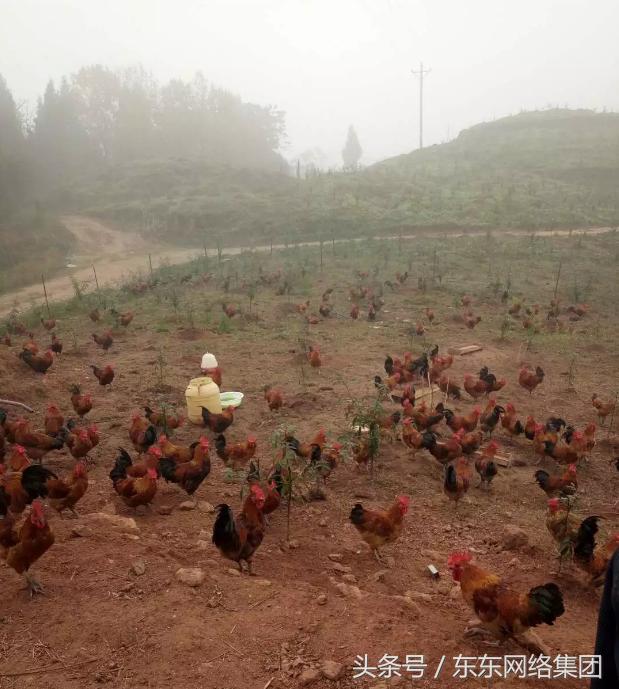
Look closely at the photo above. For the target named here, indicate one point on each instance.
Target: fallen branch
(52, 668)
(18, 404)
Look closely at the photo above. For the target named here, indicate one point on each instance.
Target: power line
(420, 73)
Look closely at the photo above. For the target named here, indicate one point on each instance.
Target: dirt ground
(100, 624)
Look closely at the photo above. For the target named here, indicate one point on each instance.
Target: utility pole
(420, 73)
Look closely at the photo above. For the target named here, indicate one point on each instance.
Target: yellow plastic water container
(202, 392)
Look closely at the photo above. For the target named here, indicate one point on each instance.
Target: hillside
(557, 168)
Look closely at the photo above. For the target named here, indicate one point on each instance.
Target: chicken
(389, 384)
(529, 380)
(590, 557)
(471, 321)
(509, 421)
(79, 443)
(485, 465)
(30, 345)
(274, 397)
(48, 323)
(17, 459)
(95, 315)
(273, 491)
(56, 344)
(458, 475)
(105, 341)
(6, 340)
(563, 525)
(123, 318)
(401, 277)
(229, 309)
(467, 422)
(426, 419)
(218, 423)
(419, 329)
(142, 433)
(54, 420)
(104, 375)
(361, 450)
(26, 483)
(313, 357)
(21, 549)
(147, 460)
(558, 486)
(325, 310)
(371, 312)
(37, 362)
(603, 409)
(64, 495)
(354, 312)
(411, 437)
(178, 453)
(37, 444)
(237, 539)
(493, 383)
(302, 307)
(406, 397)
(471, 442)
(529, 428)
(564, 454)
(188, 475)
(304, 450)
(164, 418)
(377, 527)
(81, 404)
(450, 388)
(443, 452)
(502, 611)
(325, 460)
(490, 416)
(429, 314)
(475, 387)
(133, 491)
(236, 455)
(466, 300)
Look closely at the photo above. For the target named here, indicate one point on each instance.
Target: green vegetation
(556, 168)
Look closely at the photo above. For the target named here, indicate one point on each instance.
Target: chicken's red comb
(155, 451)
(460, 558)
(252, 439)
(572, 468)
(20, 449)
(257, 491)
(554, 503)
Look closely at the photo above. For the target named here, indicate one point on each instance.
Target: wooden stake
(612, 417)
(558, 276)
(150, 264)
(97, 283)
(321, 255)
(49, 315)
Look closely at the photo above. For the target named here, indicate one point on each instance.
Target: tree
(13, 164)
(351, 154)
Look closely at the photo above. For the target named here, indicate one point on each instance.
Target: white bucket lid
(209, 361)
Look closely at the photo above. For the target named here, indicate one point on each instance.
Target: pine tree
(351, 154)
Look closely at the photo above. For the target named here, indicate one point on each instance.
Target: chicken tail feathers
(122, 463)
(546, 604)
(33, 480)
(357, 514)
(584, 545)
(167, 468)
(225, 535)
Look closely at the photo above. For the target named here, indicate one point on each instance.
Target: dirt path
(113, 253)
(116, 254)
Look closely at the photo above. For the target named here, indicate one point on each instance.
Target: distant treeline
(98, 117)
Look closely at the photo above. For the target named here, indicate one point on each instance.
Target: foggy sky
(330, 63)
